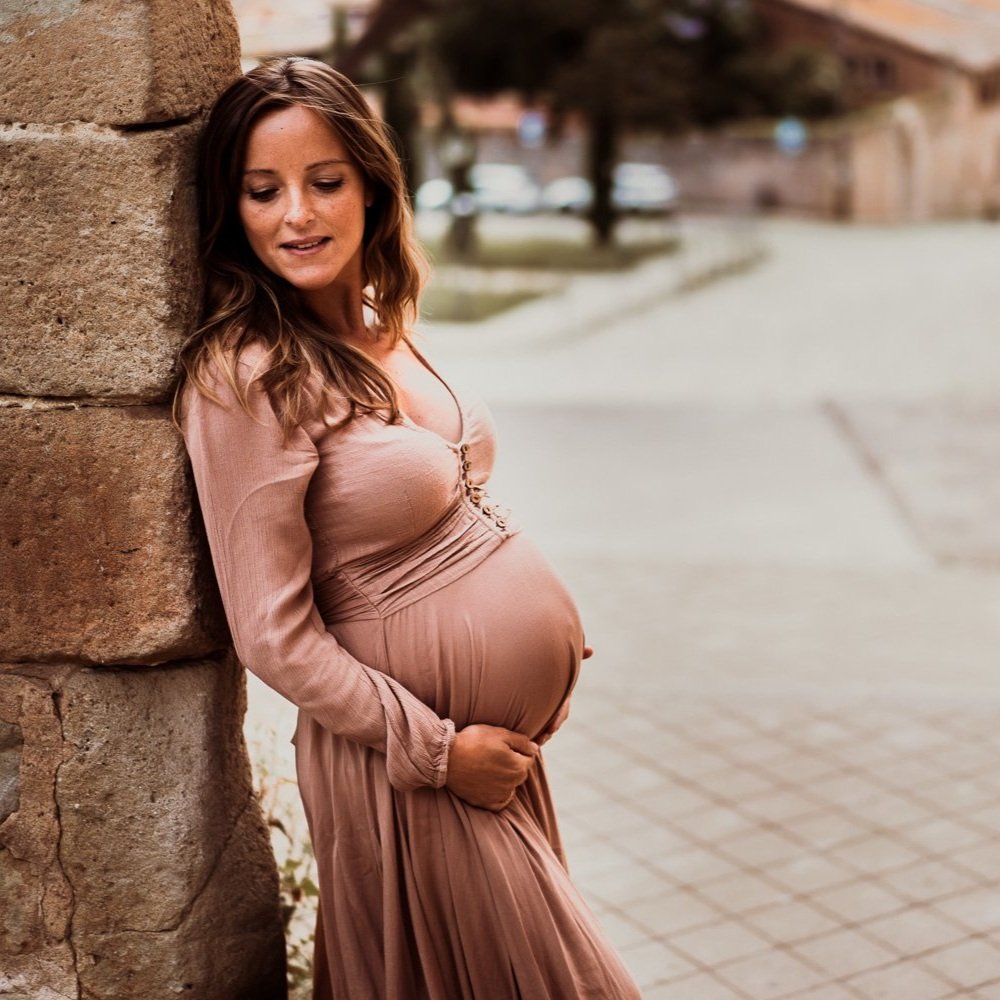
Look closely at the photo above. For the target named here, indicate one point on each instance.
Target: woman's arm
(251, 487)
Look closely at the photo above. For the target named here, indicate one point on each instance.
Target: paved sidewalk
(765, 847)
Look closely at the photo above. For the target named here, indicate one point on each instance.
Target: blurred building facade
(921, 138)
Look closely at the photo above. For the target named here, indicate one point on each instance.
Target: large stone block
(100, 561)
(112, 62)
(138, 864)
(98, 275)
(162, 840)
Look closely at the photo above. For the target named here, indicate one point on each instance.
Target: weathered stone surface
(11, 742)
(137, 864)
(37, 898)
(112, 62)
(98, 274)
(162, 840)
(99, 561)
(45, 974)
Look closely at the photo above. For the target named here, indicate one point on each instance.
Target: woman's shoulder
(234, 378)
(220, 376)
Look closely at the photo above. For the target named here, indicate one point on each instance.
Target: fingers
(553, 727)
(488, 763)
(520, 743)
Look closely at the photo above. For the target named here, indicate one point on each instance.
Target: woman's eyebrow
(311, 166)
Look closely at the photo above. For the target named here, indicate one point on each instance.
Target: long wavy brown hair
(245, 303)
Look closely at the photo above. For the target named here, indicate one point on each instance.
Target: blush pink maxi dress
(368, 578)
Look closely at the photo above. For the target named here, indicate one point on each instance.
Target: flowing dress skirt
(422, 895)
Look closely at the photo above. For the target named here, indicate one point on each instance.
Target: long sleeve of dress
(251, 487)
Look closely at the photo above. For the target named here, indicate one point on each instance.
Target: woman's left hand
(563, 714)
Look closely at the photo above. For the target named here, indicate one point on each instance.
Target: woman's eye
(261, 194)
(330, 185)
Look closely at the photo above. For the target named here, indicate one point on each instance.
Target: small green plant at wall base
(299, 893)
(280, 804)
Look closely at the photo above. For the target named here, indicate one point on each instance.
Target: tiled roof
(966, 32)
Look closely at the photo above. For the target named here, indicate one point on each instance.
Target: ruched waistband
(378, 586)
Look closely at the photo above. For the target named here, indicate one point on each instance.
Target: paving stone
(741, 892)
(900, 980)
(695, 865)
(940, 835)
(970, 963)
(700, 986)
(769, 975)
(653, 961)
(977, 909)
(784, 923)
(719, 942)
(670, 911)
(914, 931)
(858, 901)
(808, 873)
(875, 853)
(843, 952)
(760, 849)
(928, 880)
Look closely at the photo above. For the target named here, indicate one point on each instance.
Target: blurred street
(775, 498)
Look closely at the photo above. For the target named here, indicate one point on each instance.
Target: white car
(637, 187)
(496, 187)
(644, 187)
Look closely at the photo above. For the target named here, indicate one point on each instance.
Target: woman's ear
(369, 196)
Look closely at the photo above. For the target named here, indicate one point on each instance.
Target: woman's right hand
(487, 764)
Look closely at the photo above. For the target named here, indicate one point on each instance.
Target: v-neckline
(458, 405)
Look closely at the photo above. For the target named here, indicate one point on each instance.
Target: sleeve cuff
(442, 753)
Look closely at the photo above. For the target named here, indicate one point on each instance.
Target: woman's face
(303, 201)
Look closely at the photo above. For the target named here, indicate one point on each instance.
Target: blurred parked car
(568, 194)
(644, 187)
(496, 187)
(504, 187)
(637, 187)
(433, 195)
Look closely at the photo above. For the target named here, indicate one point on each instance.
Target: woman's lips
(305, 247)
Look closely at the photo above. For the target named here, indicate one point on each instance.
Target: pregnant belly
(501, 645)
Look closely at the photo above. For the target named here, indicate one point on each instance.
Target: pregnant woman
(367, 575)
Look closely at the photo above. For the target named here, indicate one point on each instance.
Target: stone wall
(134, 862)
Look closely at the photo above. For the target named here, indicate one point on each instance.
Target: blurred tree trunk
(401, 111)
(458, 154)
(602, 153)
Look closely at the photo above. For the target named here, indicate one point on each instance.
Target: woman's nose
(298, 212)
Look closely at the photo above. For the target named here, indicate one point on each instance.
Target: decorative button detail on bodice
(479, 498)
